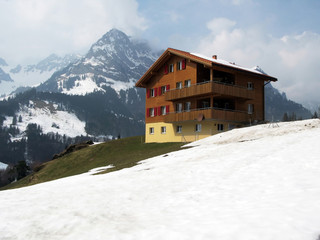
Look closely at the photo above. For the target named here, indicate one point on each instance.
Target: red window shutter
(155, 111)
(159, 111)
(183, 64)
(166, 69)
(155, 91)
(148, 93)
(167, 109)
(168, 87)
(148, 112)
(159, 91)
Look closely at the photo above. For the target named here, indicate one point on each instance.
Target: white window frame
(179, 129)
(163, 89)
(171, 68)
(151, 112)
(250, 85)
(152, 92)
(178, 107)
(151, 130)
(187, 83)
(163, 130)
(178, 85)
(179, 65)
(187, 106)
(198, 127)
(163, 110)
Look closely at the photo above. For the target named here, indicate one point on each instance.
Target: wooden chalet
(189, 96)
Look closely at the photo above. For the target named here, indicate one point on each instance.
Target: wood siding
(210, 88)
(202, 114)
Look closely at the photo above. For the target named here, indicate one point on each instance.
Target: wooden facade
(184, 89)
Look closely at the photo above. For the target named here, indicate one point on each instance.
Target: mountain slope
(32, 74)
(277, 104)
(205, 192)
(113, 61)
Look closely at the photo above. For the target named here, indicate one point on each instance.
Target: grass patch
(122, 153)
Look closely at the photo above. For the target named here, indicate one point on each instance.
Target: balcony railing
(208, 113)
(210, 88)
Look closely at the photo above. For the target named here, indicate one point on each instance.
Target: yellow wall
(188, 133)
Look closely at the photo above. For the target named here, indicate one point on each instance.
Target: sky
(282, 37)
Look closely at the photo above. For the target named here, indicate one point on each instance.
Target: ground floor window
(179, 129)
(198, 127)
(151, 130)
(220, 127)
(163, 130)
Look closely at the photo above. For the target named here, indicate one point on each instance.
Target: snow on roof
(260, 182)
(229, 64)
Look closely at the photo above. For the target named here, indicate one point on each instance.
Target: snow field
(259, 182)
(60, 122)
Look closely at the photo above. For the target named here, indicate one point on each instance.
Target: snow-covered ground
(49, 118)
(261, 182)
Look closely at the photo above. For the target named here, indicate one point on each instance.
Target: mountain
(20, 76)
(277, 105)
(3, 62)
(5, 76)
(93, 97)
(114, 61)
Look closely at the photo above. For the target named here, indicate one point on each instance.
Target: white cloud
(293, 59)
(38, 28)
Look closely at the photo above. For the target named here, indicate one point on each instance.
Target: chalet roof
(207, 61)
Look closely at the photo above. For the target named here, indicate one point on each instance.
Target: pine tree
(285, 117)
(14, 120)
(315, 115)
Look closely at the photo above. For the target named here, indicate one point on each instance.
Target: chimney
(214, 57)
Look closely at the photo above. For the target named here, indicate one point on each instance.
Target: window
(187, 83)
(179, 85)
(163, 130)
(163, 90)
(181, 64)
(179, 129)
(163, 110)
(151, 130)
(198, 127)
(170, 68)
(187, 106)
(220, 127)
(179, 107)
(250, 85)
(151, 112)
(152, 92)
(250, 108)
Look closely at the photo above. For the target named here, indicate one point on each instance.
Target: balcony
(210, 88)
(208, 113)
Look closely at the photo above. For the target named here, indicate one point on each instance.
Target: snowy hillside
(259, 182)
(49, 117)
(31, 75)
